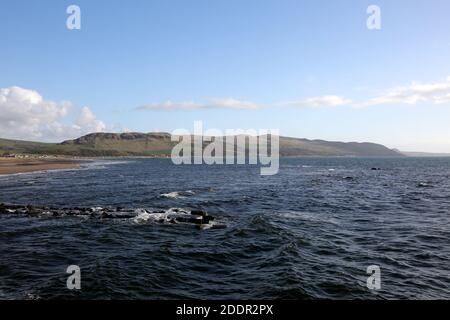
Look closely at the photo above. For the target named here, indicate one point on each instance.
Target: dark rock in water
(11, 209)
(125, 216)
(218, 226)
(202, 213)
(106, 215)
(189, 220)
(424, 185)
(198, 219)
(193, 217)
(375, 169)
(207, 219)
(56, 214)
(33, 210)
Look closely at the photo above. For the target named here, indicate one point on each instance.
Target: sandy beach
(22, 165)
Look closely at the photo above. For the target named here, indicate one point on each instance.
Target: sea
(316, 230)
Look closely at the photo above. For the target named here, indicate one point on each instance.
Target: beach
(33, 164)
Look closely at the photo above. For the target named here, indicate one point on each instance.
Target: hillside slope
(153, 144)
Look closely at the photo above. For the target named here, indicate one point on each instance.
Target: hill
(154, 144)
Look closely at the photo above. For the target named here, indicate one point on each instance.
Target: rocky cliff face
(128, 136)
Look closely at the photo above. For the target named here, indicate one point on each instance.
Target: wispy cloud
(227, 103)
(318, 102)
(436, 93)
(231, 103)
(171, 106)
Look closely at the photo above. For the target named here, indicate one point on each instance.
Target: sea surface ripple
(308, 232)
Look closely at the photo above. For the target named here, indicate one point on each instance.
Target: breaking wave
(178, 194)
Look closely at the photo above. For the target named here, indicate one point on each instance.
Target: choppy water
(309, 232)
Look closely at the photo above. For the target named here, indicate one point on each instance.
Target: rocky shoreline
(199, 218)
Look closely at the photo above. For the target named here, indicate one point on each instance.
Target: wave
(100, 164)
(177, 216)
(35, 173)
(159, 216)
(177, 194)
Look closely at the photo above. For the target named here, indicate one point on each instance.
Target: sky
(311, 69)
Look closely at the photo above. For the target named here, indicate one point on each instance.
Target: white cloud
(442, 99)
(227, 103)
(87, 121)
(25, 114)
(318, 102)
(437, 93)
(231, 103)
(171, 106)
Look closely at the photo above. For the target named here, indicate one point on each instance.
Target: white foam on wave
(100, 164)
(144, 216)
(32, 296)
(178, 194)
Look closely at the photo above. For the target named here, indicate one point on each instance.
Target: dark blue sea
(308, 232)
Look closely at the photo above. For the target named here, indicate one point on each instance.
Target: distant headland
(160, 145)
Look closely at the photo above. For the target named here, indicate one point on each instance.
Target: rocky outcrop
(127, 136)
(198, 218)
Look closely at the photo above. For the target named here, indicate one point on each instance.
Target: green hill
(153, 144)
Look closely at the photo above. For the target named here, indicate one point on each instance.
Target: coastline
(35, 164)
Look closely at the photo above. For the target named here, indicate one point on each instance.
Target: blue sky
(309, 68)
